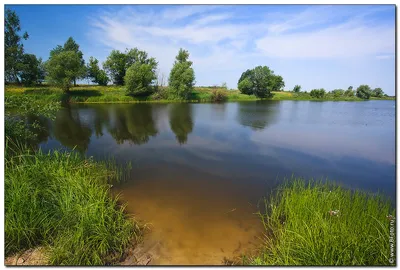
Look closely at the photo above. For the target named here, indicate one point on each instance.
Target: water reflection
(180, 120)
(70, 131)
(257, 115)
(134, 124)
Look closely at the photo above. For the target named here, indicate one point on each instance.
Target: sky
(315, 46)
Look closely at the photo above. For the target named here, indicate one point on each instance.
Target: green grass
(62, 202)
(300, 230)
(117, 94)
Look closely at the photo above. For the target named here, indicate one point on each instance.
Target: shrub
(296, 88)
(139, 79)
(218, 95)
(364, 92)
(317, 93)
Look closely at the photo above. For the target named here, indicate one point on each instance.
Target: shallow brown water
(193, 220)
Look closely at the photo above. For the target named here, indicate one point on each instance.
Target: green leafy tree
(115, 65)
(296, 88)
(13, 47)
(350, 88)
(337, 93)
(276, 83)
(96, 74)
(181, 77)
(29, 69)
(258, 81)
(140, 78)
(317, 93)
(377, 92)
(63, 68)
(349, 92)
(71, 46)
(364, 91)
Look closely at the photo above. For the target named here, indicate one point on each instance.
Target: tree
(116, 66)
(377, 92)
(338, 93)
(13, 48)
(276, 83)
(63, 68)
(317, 93)
(296, 88)
(363, 91)
(350, 88)
(349, 92)
(181, 77)
(96, 74)
(71, 45)
(29, 69)
(259, 81)
(140, 78)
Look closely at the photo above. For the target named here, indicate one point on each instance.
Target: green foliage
(30, 73)
(219, 95)
(364, 92)
(350, 88)
(181, 77)
(97, 75)
(260, 81)
(349, 92)
(71, 46)
(141, 75)
(377, 92)
(277, 83)
(116, 66)
(337, 93)
(296, 88)
(63, 68)
(317, 93)
(318, 223)
(13, 47)
(63, 202)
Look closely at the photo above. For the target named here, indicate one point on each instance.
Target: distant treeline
(134, 69)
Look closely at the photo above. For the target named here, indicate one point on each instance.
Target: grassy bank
(62, 202)
(117, 94)
(324, 224)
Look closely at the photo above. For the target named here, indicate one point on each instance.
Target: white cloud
(222, 39)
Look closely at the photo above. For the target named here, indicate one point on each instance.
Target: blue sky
(315, 46)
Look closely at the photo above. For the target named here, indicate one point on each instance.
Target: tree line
(134, 69)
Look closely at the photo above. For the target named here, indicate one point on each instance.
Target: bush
(296, 88)
(139, 79)
(317, 93)
(218, 95)
(337, 93)
(364, 92)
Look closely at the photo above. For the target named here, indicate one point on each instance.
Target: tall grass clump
(62, 202)
(319, 223)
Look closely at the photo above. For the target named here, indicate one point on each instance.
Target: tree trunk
(74, 81)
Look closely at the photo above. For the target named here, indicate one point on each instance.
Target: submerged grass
(318, 223)
(61, 201)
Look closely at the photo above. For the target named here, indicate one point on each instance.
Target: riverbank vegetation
(318, 223)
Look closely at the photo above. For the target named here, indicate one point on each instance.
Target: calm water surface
(199, 170)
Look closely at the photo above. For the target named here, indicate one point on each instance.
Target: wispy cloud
(223, 38)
